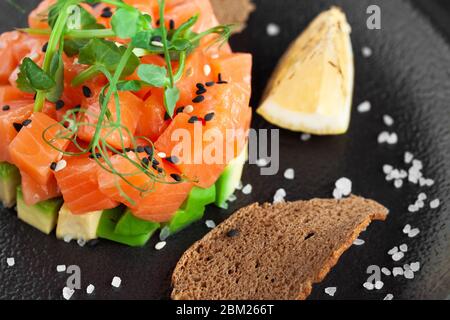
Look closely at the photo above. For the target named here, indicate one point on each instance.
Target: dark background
(407, 77)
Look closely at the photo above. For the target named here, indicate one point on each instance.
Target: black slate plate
(408, 77)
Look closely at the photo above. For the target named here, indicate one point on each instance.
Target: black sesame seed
(160, 170)
(158, 22)
(166, 116)
(59, 104)
(173, 159)
(87, 92)
(209, 116)
(179, 110)
(232, 233)
(6, 108)
(176, 177)
(128, 149)
(155, 162)
(198, 99)
(193, 119)
(200, 91)
(210, 83)
(140, 149)
(148, 150)
(200, 86)
(26, 122)
(53, 166)
(106, 13)
(93, 5)
(93, 243)
(34, 97)
(156, 38)
(95, 156)
(145, 162)
(44, 47)
(17, 126)
(171, 24)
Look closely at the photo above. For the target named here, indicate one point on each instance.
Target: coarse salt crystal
(422, 196)
(408, 157)
(407, 229)
(364, 107)
(387, 168)
(359, 242)
(415, 266)
(383, 137)
(398, 183)
(386, 271)
(398, 256)
(330, 291)
(397, 271)
(239, 186)
(289, 174)
(379, 285)
(408, 274)
(366, 52)
(10, 262)
(435, 203)
(413, 233)
(305, 137)
(387, 119)
(116, 282)
(368, 285)
(413, 208)
(232, 198)
(210, 224)
(337, 194)
(393, 251)
(389, 297)
(160, 245)
(90, 289)
(262, 162)
(393, 138)
(403, 248)
(279, 196)
(247, 189)
(344, 185)
(61, 268)
(273, 29)
(68, 293)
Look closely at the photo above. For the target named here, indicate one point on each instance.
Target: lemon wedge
(311, 89)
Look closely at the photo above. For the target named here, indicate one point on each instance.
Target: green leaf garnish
(152, 75)
(171, 97)
(57, 74)
(129, 85)
(32, 78)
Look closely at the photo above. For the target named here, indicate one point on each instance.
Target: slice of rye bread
(234, 12)
(272, 252)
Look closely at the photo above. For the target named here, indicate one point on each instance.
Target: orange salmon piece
(34, 192)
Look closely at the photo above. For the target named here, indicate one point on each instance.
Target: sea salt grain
(160, 245)
(379, 285)
(408, 157)
(386, 271)
(387, 119)
(368, 286)
(289, 174)
(344, 185)
(279, 196)
(305, 137)
(90, 289)
(210, 224)
(116, 282)
(68, 293)
(262, 162)
(394, 250)
(398, 183)
(413, 233)
(359, 242)
(393, 138)
(330, 291)
(364, 107)
(366, 52)
(232, 198)
(247, 189)
(337, 194)
(403, 248)
(383, 137)
(397, 271)
(435, 204)
(408, 274)
(415, 266)
(273, 29)
(61, 268)
(398, 256)
(10, 262)
(389, 296)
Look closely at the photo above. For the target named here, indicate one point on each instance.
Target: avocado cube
(229, 180)
(77, 226)
(42, 216)
(107, 226)
(9, 181)
(193, 208)
(129, 225)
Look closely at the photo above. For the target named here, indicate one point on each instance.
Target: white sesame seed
(366, 52)
(364, 107)
(116, 282)
(379, 285)
(160, 245)
(273, 29)
(68, 293)
(262, 162)
(188, 109)
(61, 268)
(157, 44)
(387, 119)
(10, 262)
(210, 224)
(403, 248)
(207, 69)
(408, 274)
(305, 137)
(331, 291)
(359, 242)
(393, 251)
(398, 256)
(162, 155)
(435, 204)
(344, 185)
(90, 289)
(289, 174)
(397, 271)
(368, 285)
(413, 233)
(386, 271)
(389, 296)
(247, 189)
(415, 266)
(408, 157)
(387, 168)
(60, 165)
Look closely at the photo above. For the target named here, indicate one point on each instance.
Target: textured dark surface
(408, 77)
